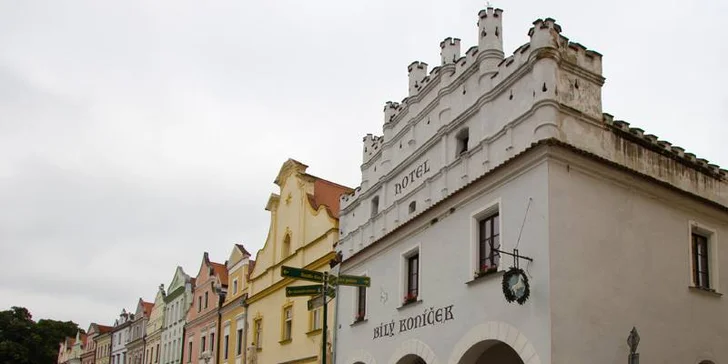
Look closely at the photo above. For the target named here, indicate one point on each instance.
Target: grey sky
(134, 135)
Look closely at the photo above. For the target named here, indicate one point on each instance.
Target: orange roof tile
(147, 308)
(327, 193)
(104, 329)
(221, 272)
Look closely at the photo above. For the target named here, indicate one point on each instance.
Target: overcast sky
(136, 134)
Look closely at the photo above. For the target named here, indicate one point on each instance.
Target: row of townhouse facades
(502, 217)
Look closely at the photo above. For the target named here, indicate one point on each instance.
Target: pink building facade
(203, 318)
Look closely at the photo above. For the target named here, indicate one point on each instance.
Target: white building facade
(177, 302)
(488, 157)
(120, 336)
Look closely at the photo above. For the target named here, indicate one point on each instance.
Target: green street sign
(315, 302)
(303, 290)
(305, 274)
(330, 292)
(361, 281)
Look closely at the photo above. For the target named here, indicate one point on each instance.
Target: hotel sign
(413, 176)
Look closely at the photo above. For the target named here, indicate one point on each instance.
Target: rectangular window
(701, 266)
(212, 341)
(206, 299)
(316, 319)
(156, 358)
(199, 303)
(287, 322)
(239, 344)
(413, 274)
(258, 333)
(488, 243)
(203, 343)
(189, 353)
(361, 303)
(235, 286)
(225, 346)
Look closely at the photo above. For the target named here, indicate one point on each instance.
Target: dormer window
(375, 206)
(462, 138)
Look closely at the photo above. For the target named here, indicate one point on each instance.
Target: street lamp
(633, 340)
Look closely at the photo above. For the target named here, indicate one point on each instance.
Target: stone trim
(496, 330)
(361, 356)
(416, 347)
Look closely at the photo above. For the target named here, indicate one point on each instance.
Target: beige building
(102, 342)
(153, 345)
(303, 230)
(233, 312)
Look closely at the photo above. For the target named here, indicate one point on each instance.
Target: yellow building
(302, 233)
(233, 321)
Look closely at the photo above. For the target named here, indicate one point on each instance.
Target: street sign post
(345, 280)
(305, 274)
(323, 293)
(311, 290)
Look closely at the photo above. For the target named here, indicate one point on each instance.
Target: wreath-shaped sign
(515, 285)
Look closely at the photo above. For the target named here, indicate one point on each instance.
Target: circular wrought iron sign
(515, 285)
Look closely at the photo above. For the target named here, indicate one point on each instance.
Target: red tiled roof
(104, 329)
(328, 194)
(251, 264)
(221, 272)
(147, 308)
(242, 249)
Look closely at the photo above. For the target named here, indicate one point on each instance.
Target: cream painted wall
(233, 312)
(620, 257)
(312, 236)
(153, 345)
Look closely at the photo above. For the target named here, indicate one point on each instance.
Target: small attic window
(412, 207)
(375, 206)
(462, 138)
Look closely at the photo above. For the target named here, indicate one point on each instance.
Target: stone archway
(410, 350)
(491, 352)
(361, 357)
(500, 337)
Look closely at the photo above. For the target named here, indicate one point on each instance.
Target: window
(225, 346)
(156, 358)
(258, 333)
(239, 344)
(206, 299)
(413, 275)
(212, 341)
(203, 339)
(461, 138)
(375, 206)
(189, 353)
(701, 265)
(361, 303)
(316, 319)
(287, 322)
(488, 243)
(235, 286)
(412, 207)
(199, 303)
(286, 248)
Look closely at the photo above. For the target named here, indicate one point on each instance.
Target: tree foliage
(24, 341)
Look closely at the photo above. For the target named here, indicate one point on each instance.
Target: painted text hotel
(496, 167)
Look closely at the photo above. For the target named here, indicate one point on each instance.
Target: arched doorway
(491, 352)
(411, 359)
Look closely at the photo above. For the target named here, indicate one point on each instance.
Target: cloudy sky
(135, 135)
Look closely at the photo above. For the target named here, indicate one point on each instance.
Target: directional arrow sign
(362, 281)
(315, 302)
(303, 290)
(305, 274)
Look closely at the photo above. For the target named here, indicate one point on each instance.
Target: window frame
(374, 206)
(415, 250)
(287, 323)
(710, 236)
(487, 210)
(257, 329)
(235, 286)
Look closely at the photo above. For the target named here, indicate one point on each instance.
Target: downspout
(244, 303)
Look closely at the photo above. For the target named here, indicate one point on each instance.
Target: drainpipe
(244, 303)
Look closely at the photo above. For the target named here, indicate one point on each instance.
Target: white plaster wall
(620, 257)
(446, 266)
(174, 323)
